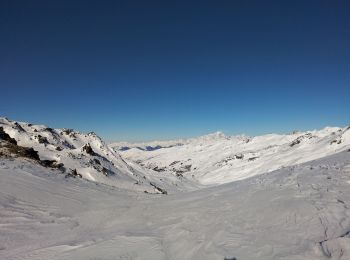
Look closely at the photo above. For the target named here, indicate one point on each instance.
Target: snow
(213, 158)
(293, 202)
(298, 212)
(119, 172)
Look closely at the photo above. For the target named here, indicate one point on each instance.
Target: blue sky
(142, 70)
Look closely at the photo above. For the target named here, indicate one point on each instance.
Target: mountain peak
(218, 135)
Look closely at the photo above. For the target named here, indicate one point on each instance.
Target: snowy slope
(290, 198)
(299, 212)
(89, 155)
(216, 159)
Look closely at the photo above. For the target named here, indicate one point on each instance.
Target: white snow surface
(299, 212)
(216, 159)
(229, 207)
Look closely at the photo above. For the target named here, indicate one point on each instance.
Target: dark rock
(187, 167)
(295, 142)
(333, 141)
(336, 141)
(21, 151)
(87, 148)
(58, 148)
(179, 173)
(152, 148)
(300, 138)
(51, 164)
(67, 131)
(68, 145)
(173, 163)
(239, 156)
(73, 174)
(6, 137)
(96, 161)
(19, 127)
(30, 153)
(158, 169)
(42, 139)
(107, 172)
(47, 163)
(158, 188)
(252, 159)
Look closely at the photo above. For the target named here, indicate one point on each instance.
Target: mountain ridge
(216, 159)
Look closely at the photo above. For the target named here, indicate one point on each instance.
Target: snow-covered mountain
(229, 197)
(216, 158)
(87, 156)
(299, 212)
(178, 165)
(155, 145)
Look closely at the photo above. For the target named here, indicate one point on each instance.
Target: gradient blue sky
(141, 70)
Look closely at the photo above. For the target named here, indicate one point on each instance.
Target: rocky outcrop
(88, 149)
(160, 190)
(300, 139)
(51, 164)
(42, 139)
(4, 136)
(15, 150)
(73, 173)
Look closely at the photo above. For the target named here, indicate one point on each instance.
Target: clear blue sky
(141, 70)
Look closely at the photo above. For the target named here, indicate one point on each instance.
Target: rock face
(42, 139)
(87, 148)
(4, 136)
(160, 190)
(51, 164)
(15, 150)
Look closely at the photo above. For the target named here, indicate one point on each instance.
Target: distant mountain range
(216, 158)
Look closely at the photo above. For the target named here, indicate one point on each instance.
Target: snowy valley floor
(298, 212)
